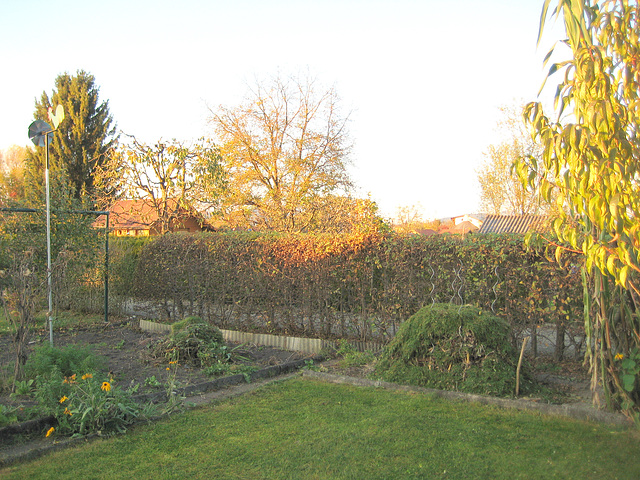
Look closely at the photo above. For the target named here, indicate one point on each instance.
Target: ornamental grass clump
(450, 347)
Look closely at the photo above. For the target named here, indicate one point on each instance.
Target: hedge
(356, 286)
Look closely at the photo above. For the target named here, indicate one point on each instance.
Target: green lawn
(305, 429)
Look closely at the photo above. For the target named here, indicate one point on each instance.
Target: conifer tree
(81, 140)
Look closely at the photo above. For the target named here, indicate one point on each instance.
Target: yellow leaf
(624, 273)
(611, 264)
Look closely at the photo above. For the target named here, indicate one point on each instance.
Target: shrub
(352, 286)
(67, 360)
(123, 257)
(457, 348)
(185, 322)
(7, 415)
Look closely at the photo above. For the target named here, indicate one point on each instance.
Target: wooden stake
(524, 344)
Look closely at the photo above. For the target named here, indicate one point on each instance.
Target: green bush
(67, 360)
(185, 322)
(7, 415)
(455, 348)
(124, 253)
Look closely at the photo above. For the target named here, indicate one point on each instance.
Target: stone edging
(223, 382)
(577, 412)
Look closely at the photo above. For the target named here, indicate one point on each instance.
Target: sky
(421, 80)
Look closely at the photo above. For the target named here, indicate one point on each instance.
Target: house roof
(477, 216)
(513, 223)
(465, 227)
(427, 232)
(461, 228)
(137, 214)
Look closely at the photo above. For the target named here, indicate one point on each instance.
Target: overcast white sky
(424, 79)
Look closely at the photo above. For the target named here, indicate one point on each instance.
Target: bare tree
(408, 219)
(21, 291)
(284, 148)
(169, 176)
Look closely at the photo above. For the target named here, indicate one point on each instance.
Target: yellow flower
(50, 432)
(173, 362)
(619, 356)
(67, 412)
(168, 368)
(106, 386)
(87, 375)
(63, 399)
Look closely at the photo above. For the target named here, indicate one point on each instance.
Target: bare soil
(125, 348)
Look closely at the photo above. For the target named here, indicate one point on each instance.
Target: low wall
(294, 344)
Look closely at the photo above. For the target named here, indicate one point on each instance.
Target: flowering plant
(86, 404)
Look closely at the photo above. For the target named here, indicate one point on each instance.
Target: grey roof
(513, 223)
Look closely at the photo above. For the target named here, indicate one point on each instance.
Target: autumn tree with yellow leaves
(285, 150)
(590, 167)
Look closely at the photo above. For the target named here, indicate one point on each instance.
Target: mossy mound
(450, 347)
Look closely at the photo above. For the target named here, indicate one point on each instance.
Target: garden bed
(125, 348)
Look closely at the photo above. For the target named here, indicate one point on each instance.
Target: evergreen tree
(81, 141)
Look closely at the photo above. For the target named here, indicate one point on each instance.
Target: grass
(5, 326)
(304, 429)
(70, 319)
(63, 320)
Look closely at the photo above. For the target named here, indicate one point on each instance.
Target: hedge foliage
(353, 286)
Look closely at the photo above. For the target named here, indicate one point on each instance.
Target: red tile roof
(137, 214)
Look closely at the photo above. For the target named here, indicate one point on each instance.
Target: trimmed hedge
(351, 286)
